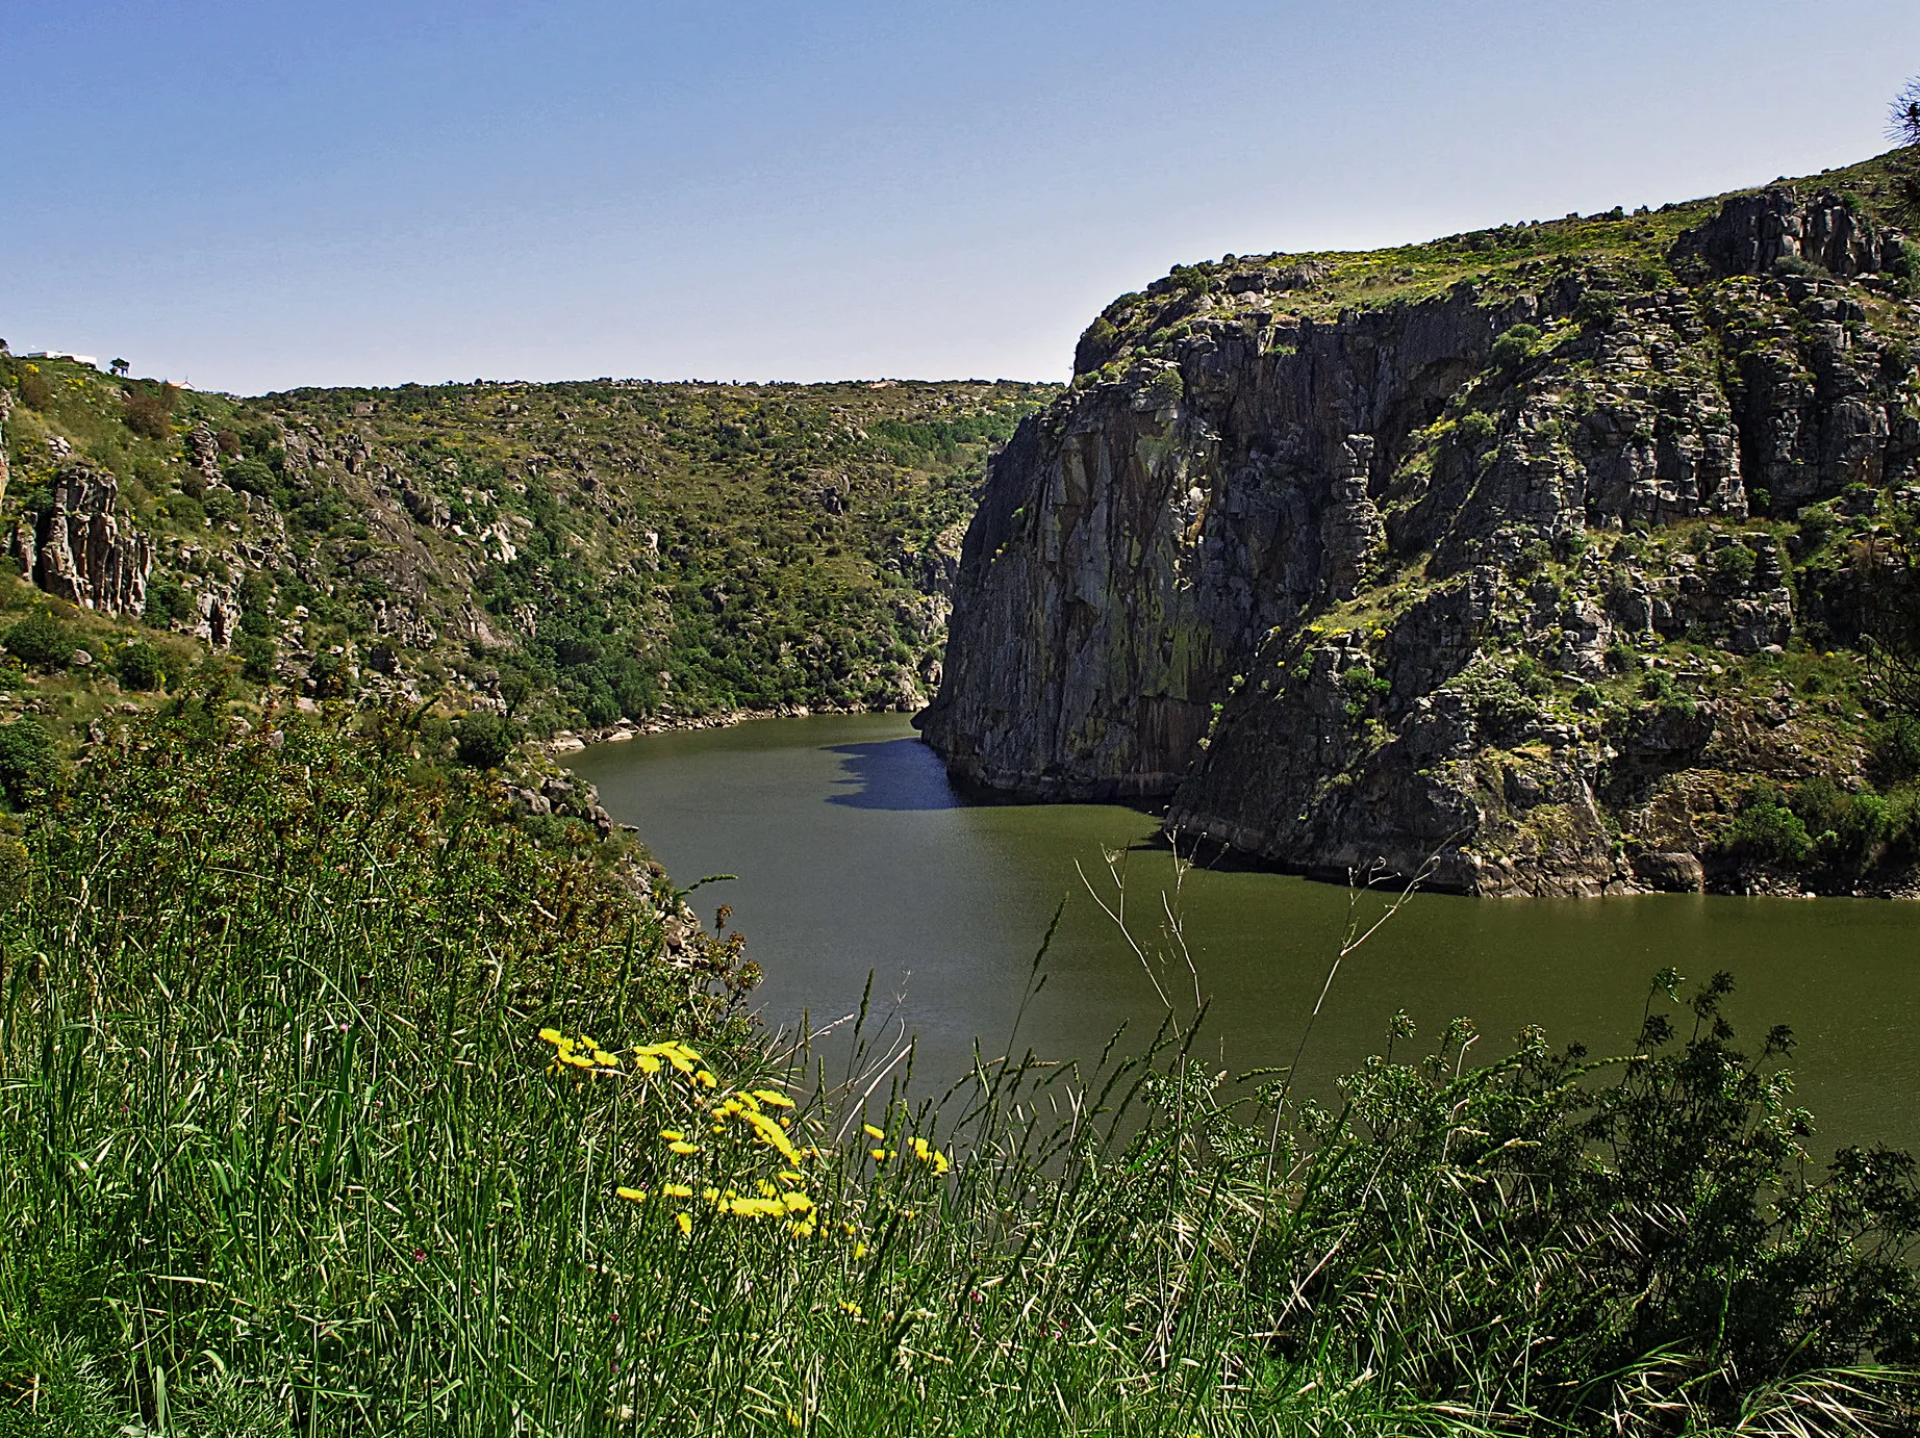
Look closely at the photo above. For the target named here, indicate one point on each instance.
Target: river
(854, 856)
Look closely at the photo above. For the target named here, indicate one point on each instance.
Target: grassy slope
(285, 1150)
(669, 550)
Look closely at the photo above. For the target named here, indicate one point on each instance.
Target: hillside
(577, 554)
(1548, 553)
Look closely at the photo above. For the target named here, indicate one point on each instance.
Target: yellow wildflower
(706, 1080)
(649, 1063)
(772, 1135)
(927, 1153)
(685, 1220)
(880, 1155)
(859, 1250)
(852, 1308)
(552, 1036)
(770, 1096)
(676, 1190)
(670, 1134)
(872, 1132)
(683, 1147)
(787, 1175)
(797, 1202)
(635, 1194)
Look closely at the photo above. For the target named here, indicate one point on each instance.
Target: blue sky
(255, 196)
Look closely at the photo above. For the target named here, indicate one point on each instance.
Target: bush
(329, 676)
(40, 642)
(251, 475)
(1515, 347)
(223, 506)
(1769, 831)
(149, 412)
(28, 761)
(1733, 565)
(168, 601)
(140, 666)
(484, 740)
(259, 657)
(1532, 558)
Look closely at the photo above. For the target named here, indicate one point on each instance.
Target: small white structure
(88, 360)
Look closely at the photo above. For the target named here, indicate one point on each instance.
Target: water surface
(854, 856)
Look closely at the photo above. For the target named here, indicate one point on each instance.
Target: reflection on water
(855, 856)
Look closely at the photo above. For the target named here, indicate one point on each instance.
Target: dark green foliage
(40, 642)
(168, 602)
(259, 657)
(329, 676)
(256, 605)
(1476, 429)
(1733, 565)
(222, 506)
(1769, 831)
(1596, 309)
(483, 739)
(1531, 678)
(1515, 346)
(139, 666)
(1096, 346)
(29, 763)
(251, 475)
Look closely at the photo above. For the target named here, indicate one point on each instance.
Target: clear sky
(258, 195)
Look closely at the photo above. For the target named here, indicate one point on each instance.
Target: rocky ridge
(1524, 556)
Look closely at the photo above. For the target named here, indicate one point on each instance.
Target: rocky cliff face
(80, 552)
(1482, 551)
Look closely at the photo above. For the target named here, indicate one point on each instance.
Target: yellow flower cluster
(916, 1145)
(758, 1116)
(585, 1054)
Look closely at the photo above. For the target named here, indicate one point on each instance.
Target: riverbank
(572, 741)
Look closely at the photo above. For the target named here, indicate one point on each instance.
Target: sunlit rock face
(1354, 574)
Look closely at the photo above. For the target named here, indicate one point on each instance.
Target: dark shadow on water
(893, 774)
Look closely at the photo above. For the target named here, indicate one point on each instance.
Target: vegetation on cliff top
(577, 554)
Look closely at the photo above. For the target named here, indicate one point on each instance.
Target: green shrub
(169, 602)
(140, 666)
(251, 475)
(1733, 565)
(484, 740)
(223, 506)
(1515, 347)
(329, 676)
(29, 762)
(1769, 831)
(1532, 558)
(40, 642)
(259, 657)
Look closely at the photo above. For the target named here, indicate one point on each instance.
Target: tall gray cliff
(1302, 570)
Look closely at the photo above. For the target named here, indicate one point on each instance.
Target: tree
(139, 666)
(40, 642)
(483, 740)
(119, 367)
(1903, 128)
(28, 761)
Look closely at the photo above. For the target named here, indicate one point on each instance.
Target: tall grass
(283, 1150)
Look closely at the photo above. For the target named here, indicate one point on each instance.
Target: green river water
(854, 856)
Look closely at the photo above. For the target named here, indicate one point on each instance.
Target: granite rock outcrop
(1353, 566)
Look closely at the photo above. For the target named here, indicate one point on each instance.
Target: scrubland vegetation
(333, 1101)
